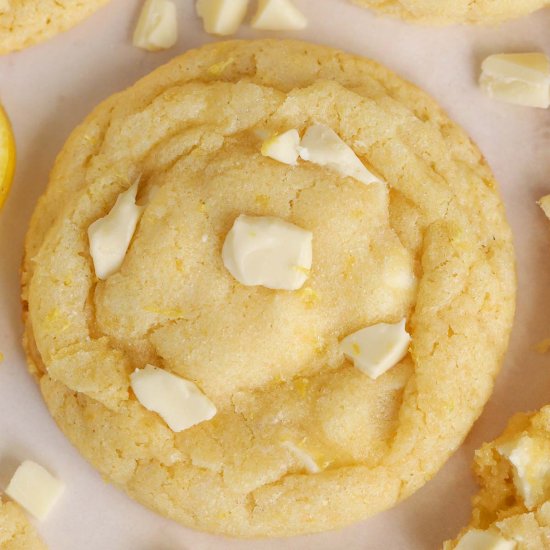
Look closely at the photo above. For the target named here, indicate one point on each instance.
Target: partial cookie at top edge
(446, 12)
(29, 22)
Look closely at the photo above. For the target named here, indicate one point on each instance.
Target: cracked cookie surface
(16, 532)
(28, 22)
(440, 12)
(503, 506)
(270, 360)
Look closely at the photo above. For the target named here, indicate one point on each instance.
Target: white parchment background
(48, 89)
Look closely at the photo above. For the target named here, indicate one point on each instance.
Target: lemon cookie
(268, 288)
(455, 11)
(24, 23)
(16, 533)
(513, 506)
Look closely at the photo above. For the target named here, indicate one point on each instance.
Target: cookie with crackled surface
(442, 12)
(513, 471)
(24, 23)
(16, 532)
(270, 360)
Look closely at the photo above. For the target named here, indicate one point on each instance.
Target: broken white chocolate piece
(529, 456)
(376, 349)
(110, 236)
(283, 147)
(323, 146)
(544, 203)
(303, 457)
(221, 17)
(157, 27)
(269, 252)
(520, 78)
(278, 15)
(476, 539)
(35, 489)
(178, 401)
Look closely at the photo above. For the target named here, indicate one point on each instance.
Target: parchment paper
(48, 89)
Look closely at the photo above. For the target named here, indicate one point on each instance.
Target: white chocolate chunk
(222, 17)
(110, 236)
(323, 146)
(307, 461)
(269, 252)
(544, 203)
(5, 6)
(522, 78)
(278, 15)
(529, 456)
(283, 147)
(378, 348)
(476, 539)
(398, 272)
(35, 489)
(157, 27)
(178, 401)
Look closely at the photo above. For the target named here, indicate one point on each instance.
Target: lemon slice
(7, 156)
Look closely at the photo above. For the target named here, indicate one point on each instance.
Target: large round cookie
(268, 359)
(27, 22)
(455, 11)
(16, 532)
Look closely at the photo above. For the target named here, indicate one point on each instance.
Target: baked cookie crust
(500, 506)
(29, 22)
(444, 12)
(16, 532)
(269, 360)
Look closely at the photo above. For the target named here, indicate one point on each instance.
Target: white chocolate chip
(35, 489)
(476, 539)
(157, 27)
(283, 147)
(304, 458)
(269, 252)
(178, 401)
(278, 15)
(110, 236)
(222, 17)
(529, 456)
(398, 272)
(522, 79)
(323, 146)
(5, 6)
(378, 348)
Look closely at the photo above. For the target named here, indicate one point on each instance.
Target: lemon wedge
(7, 156)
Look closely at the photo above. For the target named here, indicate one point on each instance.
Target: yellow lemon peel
(7, 156)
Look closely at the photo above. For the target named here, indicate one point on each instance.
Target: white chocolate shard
(529, 457)
(521, 78)
(323, 146)
(476, 539)
(269, 252)
(178, 401)
(222, 17)
(283, 147)
(376, 349)
(35, 489)
(157, 27)
(278, 15)
(111, 235)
